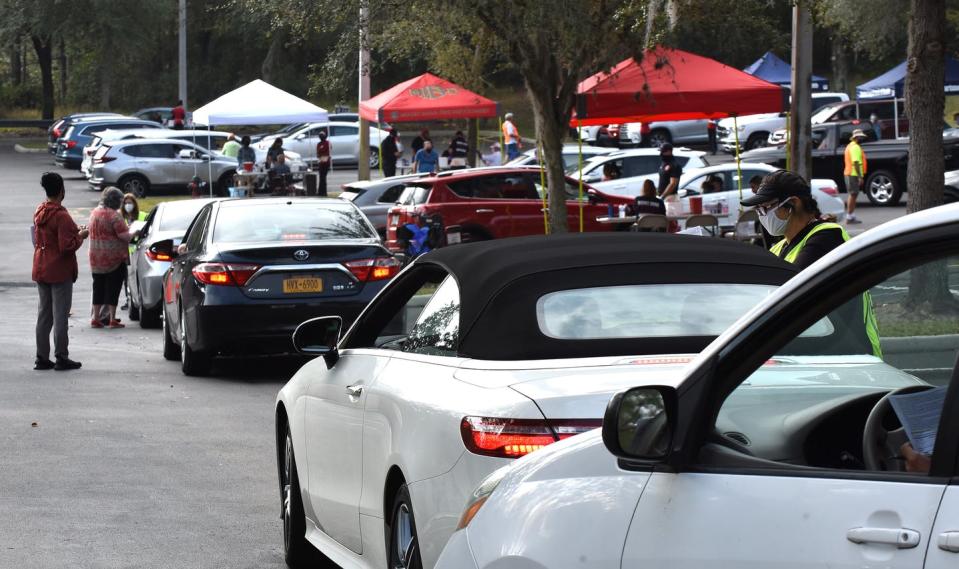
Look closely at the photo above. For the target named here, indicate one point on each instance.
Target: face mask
(773, 224)
(128, 207)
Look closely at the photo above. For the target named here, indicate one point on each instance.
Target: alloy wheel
(404, 538)
(136, 187)
(287, 493)
(881, 189)
(183, 348)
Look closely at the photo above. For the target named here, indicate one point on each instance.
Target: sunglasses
(768, 208)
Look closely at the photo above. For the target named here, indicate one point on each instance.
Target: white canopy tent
(257, 102)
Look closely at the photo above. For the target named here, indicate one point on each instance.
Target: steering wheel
(880, 446)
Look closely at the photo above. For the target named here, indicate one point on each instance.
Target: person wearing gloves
(787, 209)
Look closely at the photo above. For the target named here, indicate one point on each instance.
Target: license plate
(453, 238)
(302, 284)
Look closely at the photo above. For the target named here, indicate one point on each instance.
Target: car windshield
(290, 222)
(682, 309)
(178, 217)
(823, 113)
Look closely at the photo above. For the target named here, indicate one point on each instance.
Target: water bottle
(622, 210)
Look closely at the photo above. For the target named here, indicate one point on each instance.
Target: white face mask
(128, 207)
(773, 224)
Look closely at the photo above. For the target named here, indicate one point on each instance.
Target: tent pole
(502, 146)
(579, 125)
(787, 139)
(739, 164)
(542, 184)
(895, 111)
(209, 163)
(379, 146)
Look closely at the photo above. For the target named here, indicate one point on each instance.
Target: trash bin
(311, 180)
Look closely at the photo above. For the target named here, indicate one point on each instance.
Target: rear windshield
(178, 217)
(414, 195)
(350, 194)
(693, 309)
(290, 222)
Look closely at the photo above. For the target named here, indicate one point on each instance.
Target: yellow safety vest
(869, 315)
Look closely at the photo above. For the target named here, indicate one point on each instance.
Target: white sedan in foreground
(779, 446)
(725, 202)
(476, 355)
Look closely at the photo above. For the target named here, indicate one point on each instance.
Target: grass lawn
(147, 204)
(894, 321)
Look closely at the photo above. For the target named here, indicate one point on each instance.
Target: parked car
(636, 166)
(725, 204)
(571, 156)
(344, 138)
(781, 428)
(886, 159)
(162, 115)
(59, 127)
(168, 220)
(661, 132)
(142, 166)
(491, 203)
(857, 110)
(754, 130)
(79, 134)
(249, 271)
(481, 354)
(376, 197)
(951, 190)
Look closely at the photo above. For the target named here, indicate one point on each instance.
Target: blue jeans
(512, 150)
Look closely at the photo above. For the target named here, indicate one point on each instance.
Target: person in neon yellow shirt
(854, 171)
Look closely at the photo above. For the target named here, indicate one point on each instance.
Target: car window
(177, 216)
(344, 131)
(819, 102)
(747, 175)
(682, 309)
(414, 195)
(808, 403)
(436, 330)
(640, 165)
(162, 150)
(696, 183)
(845, 131)
(818, 136)
(194, 239)
(351, 194)
(391, 195)
(315, 133)
(295, 221)
(693, 162)
(496, 187)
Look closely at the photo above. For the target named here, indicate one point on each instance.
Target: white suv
(636, 165)
(754, 130)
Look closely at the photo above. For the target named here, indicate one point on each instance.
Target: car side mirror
(164, 250)
(319, 337)
(640, 423)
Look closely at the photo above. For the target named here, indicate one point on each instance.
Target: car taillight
(830, 191)
(153, 255)
(224, 273)
(376, 269)
(104, 159)
(71, 143)
(513, 438)
(56, 133)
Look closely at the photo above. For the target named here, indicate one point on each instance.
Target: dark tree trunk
(840, 64)
(272, 56)
(62, 57)
(16, 63)
(106, 74)
(925, 103)
(43, 45)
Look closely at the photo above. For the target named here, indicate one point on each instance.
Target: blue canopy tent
(892, 84)
(770, 68)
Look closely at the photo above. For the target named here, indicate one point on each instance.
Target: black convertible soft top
(500, 282)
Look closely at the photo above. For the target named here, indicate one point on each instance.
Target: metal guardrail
(25, 123)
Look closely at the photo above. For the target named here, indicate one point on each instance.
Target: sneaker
(65, 364)
(41, 364)
(852, 221)
(96, 323)
(116, 324)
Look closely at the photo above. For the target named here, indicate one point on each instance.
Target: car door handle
(902, 538)
(354, 390)
(484, 210)
(949, 541)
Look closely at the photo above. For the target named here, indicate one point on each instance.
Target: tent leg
(739, 162)
(579, 125)
(787, 138)
(895, 114)
(209, 163)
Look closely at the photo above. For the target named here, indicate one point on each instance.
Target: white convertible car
(786, 443)
(476, 355)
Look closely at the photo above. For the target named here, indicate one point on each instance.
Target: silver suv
(139, 166)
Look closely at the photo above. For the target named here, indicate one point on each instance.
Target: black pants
(389, 169)
(107, 286)
(321, 189)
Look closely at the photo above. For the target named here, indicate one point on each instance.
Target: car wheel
(298, 552)
(223, 184)
(950, 195)
(403, 549)
(192, 362)
(757, 140)
(171, 351)
(150, 317)
(135, 184)
(882, 188)
(659, 137)
(374, 158)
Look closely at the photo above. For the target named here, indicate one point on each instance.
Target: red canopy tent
(426, 98)
(671, 84)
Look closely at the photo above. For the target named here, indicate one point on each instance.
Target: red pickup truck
(491, 203)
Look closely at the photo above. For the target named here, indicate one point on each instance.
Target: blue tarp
(775, 70)
(894, 82)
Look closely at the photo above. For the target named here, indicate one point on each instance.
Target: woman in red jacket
(56, 240)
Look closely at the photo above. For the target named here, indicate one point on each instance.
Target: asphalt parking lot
(127, 463)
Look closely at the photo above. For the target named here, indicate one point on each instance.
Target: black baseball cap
(779, 186)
